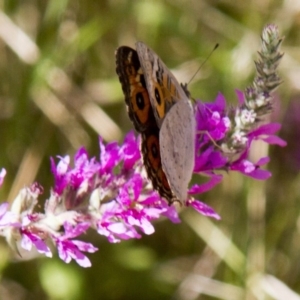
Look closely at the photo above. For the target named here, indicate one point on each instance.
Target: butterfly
(162, 113)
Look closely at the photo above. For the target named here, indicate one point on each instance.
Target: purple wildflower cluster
(107, 195)
(213, 126)
(112, 194)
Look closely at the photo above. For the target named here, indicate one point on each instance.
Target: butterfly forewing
(164, 90)
(134, 88)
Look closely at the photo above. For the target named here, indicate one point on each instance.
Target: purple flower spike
(223, 142)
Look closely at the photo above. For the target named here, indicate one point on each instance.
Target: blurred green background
(59, 91)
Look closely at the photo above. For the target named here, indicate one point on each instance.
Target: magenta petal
(146, 226)
(60, 173)
(202, 188)
(118, 228)
(83, 261)
(220, 102)
(110, 155)
(73, 231)
(203, 208)
(29, 239)
(137, 185)
(2, 175)
(123, 231)
(172, 214)
(86, 247)
(62, 253)
(81, 155)
(63, 165)
(151, 199)
(133, 186)
(263, 161)
(275, 140)
(26, 242)
(240, 96)
(268, 129)
(209, 160)
(131, 150)
(259, 174)
(42, 247)
(3, 209)
(153, 212)
(244, 166)
(251, 170)
(69, 250)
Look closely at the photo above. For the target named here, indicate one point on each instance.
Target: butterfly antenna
(206, 59)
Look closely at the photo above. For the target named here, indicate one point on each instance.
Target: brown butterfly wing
(153, 164)
(163, 88)
(134, 87)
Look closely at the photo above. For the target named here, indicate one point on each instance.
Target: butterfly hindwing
(177, 147)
